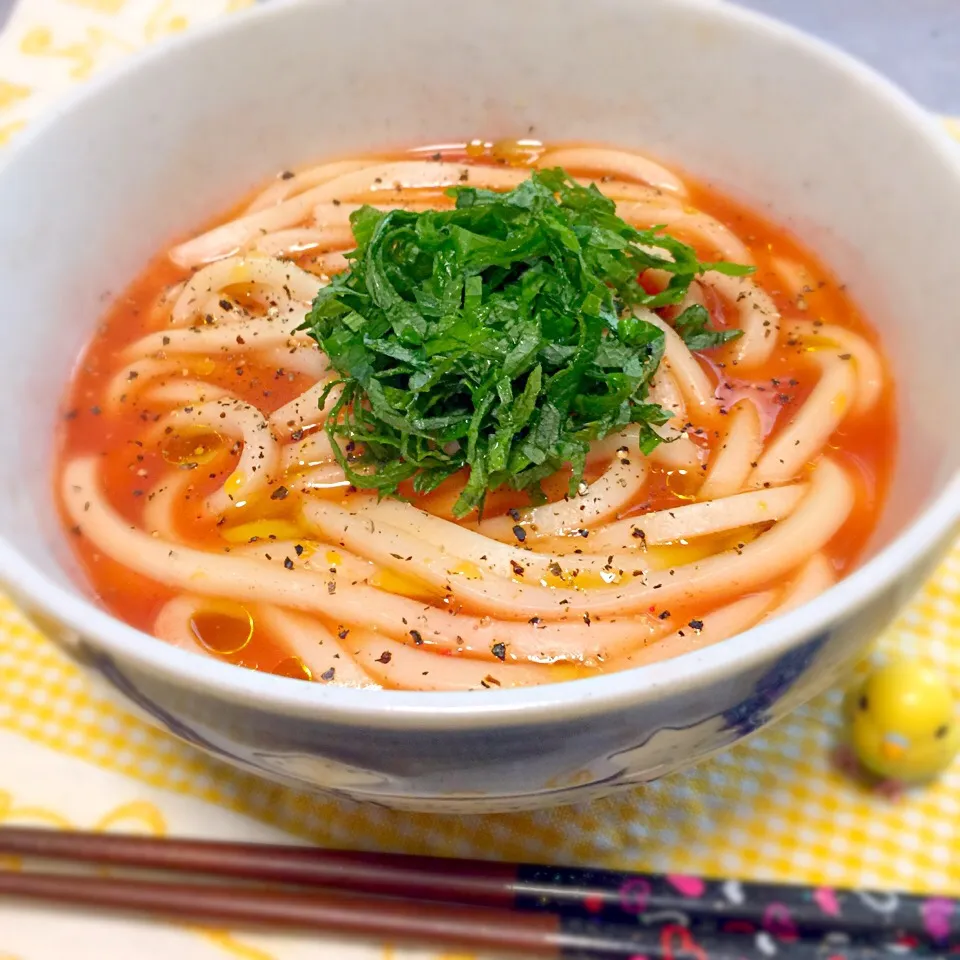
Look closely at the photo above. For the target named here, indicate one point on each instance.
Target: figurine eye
(864, 703)
(942, 731)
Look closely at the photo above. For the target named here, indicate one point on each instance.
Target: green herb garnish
(498, 336)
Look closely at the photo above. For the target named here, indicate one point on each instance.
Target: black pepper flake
(437, 156)
(586, 619)
(555, 568)
(288, 563)
(296, 435)
(417, 639)
(328, 675)
(287, 175)
(226, 305)
(844, 356)
(299, 549)
(331, 587)
(519, 532)
(499, 650)
(336, 202)
(385, 657)
(663, 614)
(696, 625)
(279, 494)
(70, 415)
(343, 632)
(638, 533)
(517, 568)
(95, 411)
(165, 341)
(535, 621)
(514, 514)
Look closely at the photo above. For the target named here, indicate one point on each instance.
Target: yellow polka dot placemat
(773, 808)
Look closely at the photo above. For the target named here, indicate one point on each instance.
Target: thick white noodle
(331, 263)
(310, 452)
(758, 318)
(379, 180)
(250, 580)
(735, 453)
(805, 434)
(242, 336)
(792, 541)
(467, 546)
(814, 577)
(159, 511)
(173, 623)
(679, 452)
(327, 476)
(303, 637)
(126, 385)
(259, 461)
(613, 491)
(182, 393)
(697, 226)
(403, 667)
(300, 356)
(304, 411)
(160, 311)
(719, 624)
(330, 215)
(691, 379)
(279, 275)
(789, 543)
(797, 280)
(847, 345)
(297, 241)
(699, 519)
(630, 166)
(288, 186)
(408, 554)
(318, 649)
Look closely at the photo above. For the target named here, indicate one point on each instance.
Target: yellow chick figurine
(902, 722)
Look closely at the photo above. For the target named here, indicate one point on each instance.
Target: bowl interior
(816, 143)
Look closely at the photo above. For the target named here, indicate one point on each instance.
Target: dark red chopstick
(784, 910)
(563, 913)
(533, 935)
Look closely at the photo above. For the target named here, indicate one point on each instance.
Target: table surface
(914, 42)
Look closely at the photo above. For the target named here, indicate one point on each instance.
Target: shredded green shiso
(499, 336)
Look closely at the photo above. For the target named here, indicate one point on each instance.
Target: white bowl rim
(575, 698)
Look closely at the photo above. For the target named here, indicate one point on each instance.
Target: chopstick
(559, 907)
(533, 935)
(607, 895)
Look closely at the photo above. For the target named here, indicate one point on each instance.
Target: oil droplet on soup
(191, 445)
(294, 668)
(222, 628)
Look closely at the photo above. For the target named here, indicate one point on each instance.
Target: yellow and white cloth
(772, 808)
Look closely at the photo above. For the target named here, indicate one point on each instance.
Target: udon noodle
(207, 506)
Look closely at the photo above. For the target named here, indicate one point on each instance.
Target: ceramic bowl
(813, 139)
